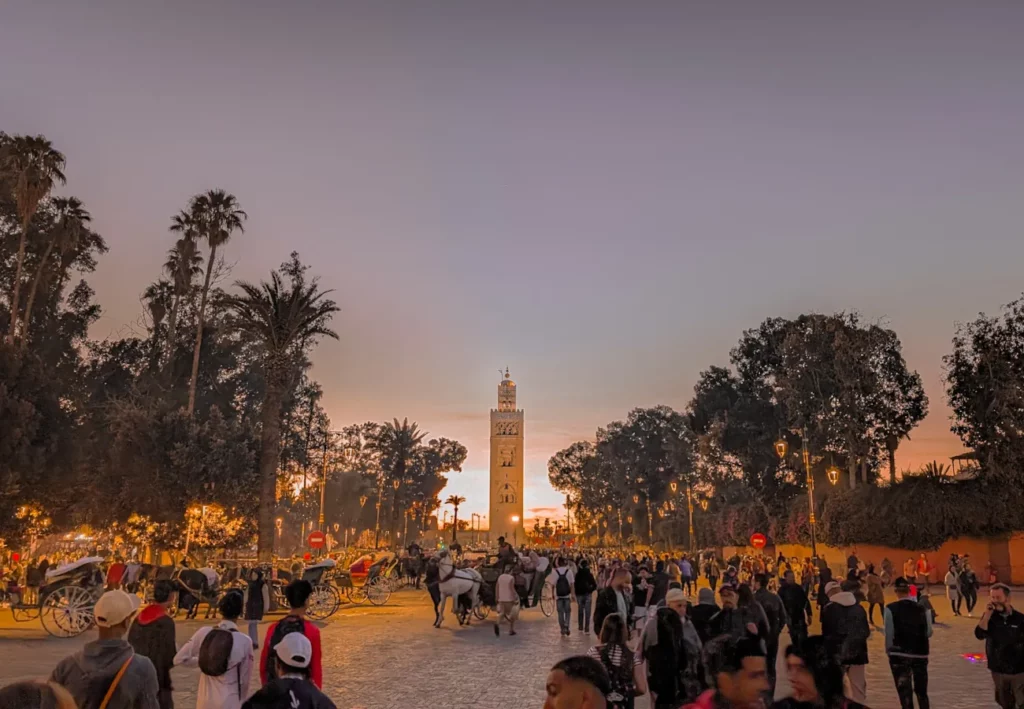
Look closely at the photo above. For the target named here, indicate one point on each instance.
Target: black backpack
(562, 587)
(215, 655)
(288, 624)
(621, 677)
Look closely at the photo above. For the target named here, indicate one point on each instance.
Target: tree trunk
(892, 464)
(172, 326)
(270, 444)
(32, 294)
(851, 468)
(193, 381)
(455, 525)
(16, 290)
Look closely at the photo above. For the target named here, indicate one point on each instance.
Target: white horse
(453, 583)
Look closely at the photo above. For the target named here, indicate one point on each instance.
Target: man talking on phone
(1002, 629)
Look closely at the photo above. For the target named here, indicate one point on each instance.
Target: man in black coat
(152, 636)
(844, 623)
(777, 620)
(616, 598)
(798, 608)
(1002, 629)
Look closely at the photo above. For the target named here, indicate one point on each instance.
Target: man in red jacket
(297, 593)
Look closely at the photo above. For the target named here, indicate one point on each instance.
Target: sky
(599, 195)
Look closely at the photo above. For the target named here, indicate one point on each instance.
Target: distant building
(506, 491)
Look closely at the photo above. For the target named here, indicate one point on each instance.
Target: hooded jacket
(845, 627)
(152, 636)
(88, 673)
(702, 613)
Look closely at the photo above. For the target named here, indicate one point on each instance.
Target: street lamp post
(689, 505)
(781, 448)
(515, 530)
(323, 482)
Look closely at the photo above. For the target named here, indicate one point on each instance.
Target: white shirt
(506, 588)
(220, 692)
(565, 571)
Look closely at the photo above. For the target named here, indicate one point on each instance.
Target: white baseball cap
(115, 607)
(295, 650)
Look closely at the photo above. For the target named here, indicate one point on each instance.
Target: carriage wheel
(482, 611)
(323, 602)
(356, 594)
(379, 591)
(68, 611)
(547, 601)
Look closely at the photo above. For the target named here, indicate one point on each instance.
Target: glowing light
(833, 474)
(781, 448)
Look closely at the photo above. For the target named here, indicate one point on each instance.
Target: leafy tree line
(206, 401)
(839, 388)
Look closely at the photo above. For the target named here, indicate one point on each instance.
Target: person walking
(798, 608)
(297, 594)
(741, 615)
(736, 669)
(561, 579)
(291, 688)
(702, 613)
(922, 569)
(152, 636)
(507, 599)
(659, 585)
(577, 682)
(672, 648)
(584, 585)
(223, 655)
(908, 626)
(713, 572)
(969, 587)
(107, 670)
(256, 602)
(687, 574)
(623, 665)
(952, 584)
(1002, 629)
(778, 619)
(845, 627)
(875, 595)
(615, 598)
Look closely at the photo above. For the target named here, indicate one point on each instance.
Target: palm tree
(216, 215)
(33, 166)
(157, 297)
(184, 263)
(455, 501)
(281, 319)
(72, 219)
(395, 444)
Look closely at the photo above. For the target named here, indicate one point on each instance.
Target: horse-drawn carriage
(66, 599)
(325, 600)
(367, 579)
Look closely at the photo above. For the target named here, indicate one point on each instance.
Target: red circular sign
(316, 539)
(758, 540)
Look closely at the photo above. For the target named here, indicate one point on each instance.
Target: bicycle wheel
(323, 603)
(356, 594)
(481, 612)
(547, 601)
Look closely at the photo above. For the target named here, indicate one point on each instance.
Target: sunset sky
(599, 195)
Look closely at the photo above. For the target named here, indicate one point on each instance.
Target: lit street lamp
(781, 448)
(515, 530)
(833, 474)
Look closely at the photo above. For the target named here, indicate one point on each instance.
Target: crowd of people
(129, 665)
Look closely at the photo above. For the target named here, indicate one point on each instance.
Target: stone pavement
(391, 657)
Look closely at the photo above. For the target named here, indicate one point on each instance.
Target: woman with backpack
(223, 655)
(624, 666)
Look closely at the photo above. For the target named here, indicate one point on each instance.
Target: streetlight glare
(515, 518)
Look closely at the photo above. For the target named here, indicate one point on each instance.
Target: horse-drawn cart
(325, 600)
(66, 600)
(366, 580)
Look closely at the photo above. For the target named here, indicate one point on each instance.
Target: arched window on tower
(507, 495)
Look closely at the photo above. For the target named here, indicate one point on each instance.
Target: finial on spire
(507, 375)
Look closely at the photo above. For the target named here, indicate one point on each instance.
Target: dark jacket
(1004, 642)
(88, 673)
(733, 621)
(152, 636)
(797, 605)
(584, 583)
(256, 599)
(844, 623)
(907, 628)
(289, 693)
(773, 609)
(700, 615)
(606, 604)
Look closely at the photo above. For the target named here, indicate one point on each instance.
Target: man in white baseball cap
(108, 667)
(291, 688)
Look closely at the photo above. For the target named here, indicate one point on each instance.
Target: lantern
(781, 448)
(833, 474)
(704, 505)
(629, 519)
(396, 483)
(362, 500)
(636, 499)
(673, 486)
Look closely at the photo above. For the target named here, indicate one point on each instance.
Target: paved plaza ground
(391, 657)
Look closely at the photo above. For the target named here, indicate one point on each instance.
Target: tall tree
(217, 216)
(184, 264)
(72, 220)
(33, 166)
(455, 501)
(281, 318)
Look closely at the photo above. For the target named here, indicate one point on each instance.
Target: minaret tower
(506, 513)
